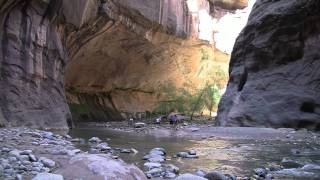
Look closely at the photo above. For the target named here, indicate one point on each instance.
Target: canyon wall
(274, 68)
(116, 54)
(31, 66)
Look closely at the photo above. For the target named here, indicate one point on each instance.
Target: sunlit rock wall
(274, 68)
(116, 53)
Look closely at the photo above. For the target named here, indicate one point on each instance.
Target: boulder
(139, 125)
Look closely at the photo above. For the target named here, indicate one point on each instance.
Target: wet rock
(5, 150)
(192, 156)
(139, 125)
(24, 158)
(216, 176)
(192, 152)
(159, 149)
(26, 163)
(194, 129)
(156, 159)
(169, 175)
(103, 166)
(155, 172)
(311, 167)
(295, 151)
(148, 156)
(182, 154)
(150, 165)
(171, 168)
(294, 173)
(47, 162)
(94, 151)
(157, 152)
(48, 176)
(12, 159)
(32, 158)
(26, 152)
(73, 152)
(261, 172)
(269, 177)
(288, 163)
(189, 176)
(18, 177)
(95, 140)
(57, 151)
(186, 155)
(48, 135)
(103, 146)
(15, 153)
(201, 173)
(125, 151)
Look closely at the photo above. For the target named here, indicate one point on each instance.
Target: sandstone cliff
(274, 68)
(116, 54)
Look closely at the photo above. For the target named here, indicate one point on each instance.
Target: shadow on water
(235, 156)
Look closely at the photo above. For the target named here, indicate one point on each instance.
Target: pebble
(103, 146)
(192, 152)
(24, 158)
(32, 158)
(47, 162)
(261, 172)
(125, 151)
(150, 165)
(95, 140)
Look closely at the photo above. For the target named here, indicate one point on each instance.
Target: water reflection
(235, 156)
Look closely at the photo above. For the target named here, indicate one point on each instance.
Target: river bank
(40, 155)
(190, 149)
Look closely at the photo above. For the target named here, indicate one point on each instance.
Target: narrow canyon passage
(159, 89)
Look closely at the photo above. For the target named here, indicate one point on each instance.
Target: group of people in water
(173, 119)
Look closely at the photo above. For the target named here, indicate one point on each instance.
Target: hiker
(158, 120)
(130, 122)
(175, 120)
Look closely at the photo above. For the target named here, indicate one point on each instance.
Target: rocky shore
(41, 155)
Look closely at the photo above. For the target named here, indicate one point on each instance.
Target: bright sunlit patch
(193, 5)
(223, 31)
(205, 26)
(229, 27)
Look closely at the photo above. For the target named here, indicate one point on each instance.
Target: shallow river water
(235, 156)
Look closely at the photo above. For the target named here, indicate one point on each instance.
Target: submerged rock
(139, 125)
(288, 163)
(216, 176)
(95, 140)
(189, 176)
(151, 165)
(48, 176)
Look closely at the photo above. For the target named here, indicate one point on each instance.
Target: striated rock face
(274, 68)
(111, 56)
(143, 46)
(32, 61)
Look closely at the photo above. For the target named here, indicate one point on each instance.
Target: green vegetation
(78, 108)
(191, 99)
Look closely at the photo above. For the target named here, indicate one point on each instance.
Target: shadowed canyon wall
(274, 68)
(116, 54)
